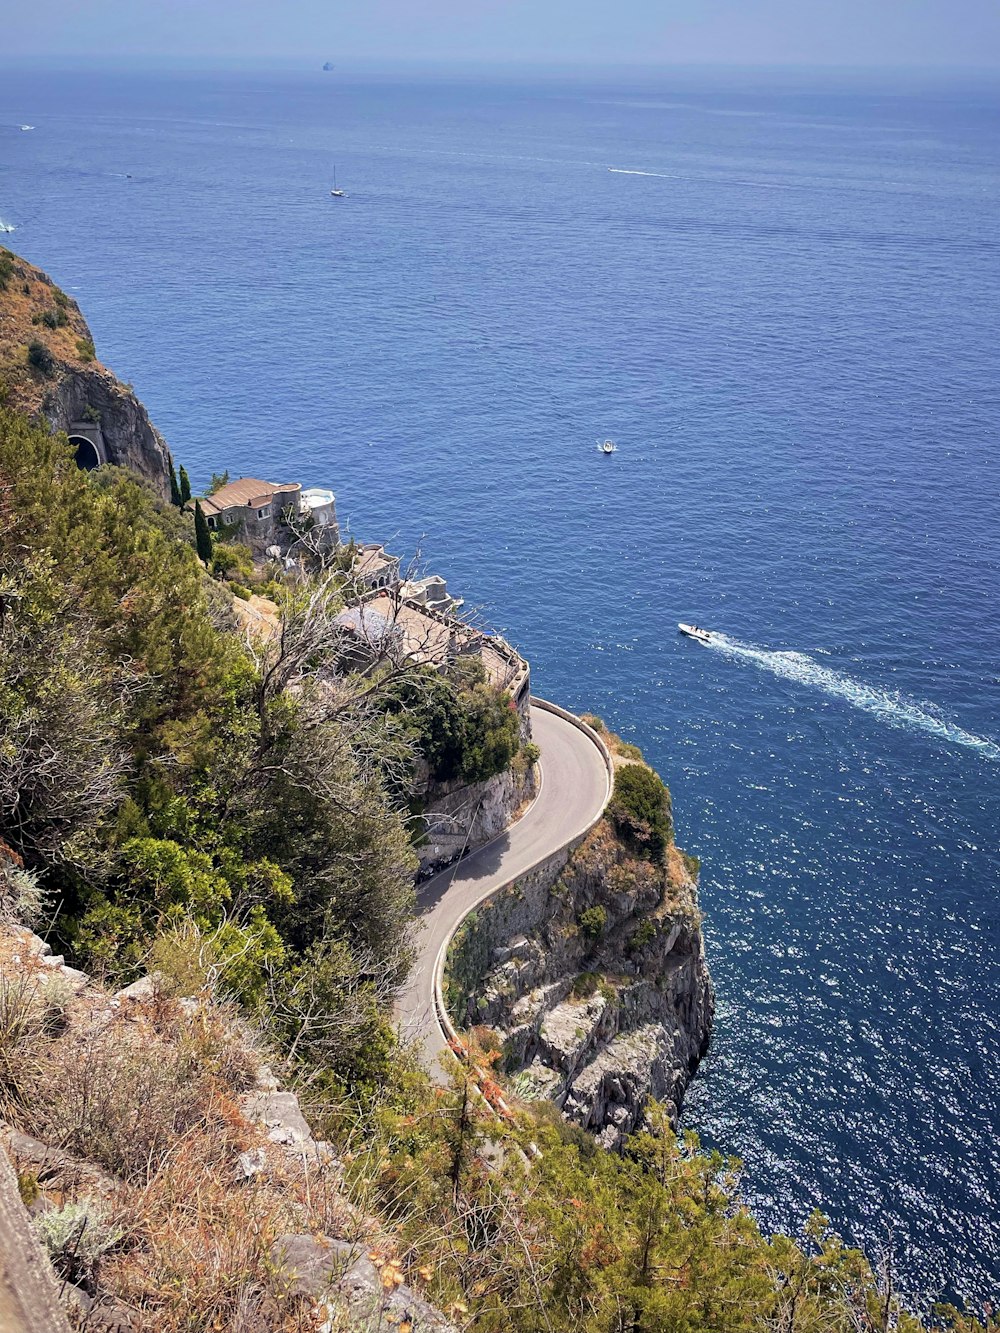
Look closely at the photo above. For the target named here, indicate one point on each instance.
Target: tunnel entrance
(87, 456)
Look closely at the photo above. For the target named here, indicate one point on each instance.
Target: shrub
(121, 1098)
(692, 864)
(21, 896)
(22, 1026)
(645, 934)
(76, 1236)
(240, 591)
(40, 358)
(85, 349)
(532, 753)
(640, 808)
(584, 985)
(233, 559)
(6, 270)
(593, 922)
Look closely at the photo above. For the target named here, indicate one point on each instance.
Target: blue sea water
(779, 294)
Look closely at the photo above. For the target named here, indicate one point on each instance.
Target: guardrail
(448, 1030)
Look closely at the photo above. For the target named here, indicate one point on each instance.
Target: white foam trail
(6, 227)
(891, 708)
(660, 175)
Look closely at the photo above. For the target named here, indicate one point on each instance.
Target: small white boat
(27, 127)
(607, 446)
(337, 194)
(695, 632)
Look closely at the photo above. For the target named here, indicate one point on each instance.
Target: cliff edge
(589, 975)
(49, 370)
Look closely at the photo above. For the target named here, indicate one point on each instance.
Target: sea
(778, 293)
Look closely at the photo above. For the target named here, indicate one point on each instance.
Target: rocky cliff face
(592, 975)
(48, 370)
(459, 817)
(92, 396)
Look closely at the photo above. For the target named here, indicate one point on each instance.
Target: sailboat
(337, 194)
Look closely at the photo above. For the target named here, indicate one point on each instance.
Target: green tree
(175, 490)
(185, 486)
(40, 358)
(202, 536)
(640, 808)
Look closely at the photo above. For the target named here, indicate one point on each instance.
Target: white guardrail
(447, 1028)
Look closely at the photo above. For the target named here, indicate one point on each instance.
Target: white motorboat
(695, 632)
(607, 446)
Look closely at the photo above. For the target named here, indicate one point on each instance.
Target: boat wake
(888, 707)
(660, 175)
(6, 228)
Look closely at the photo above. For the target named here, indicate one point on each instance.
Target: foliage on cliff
(528, 1227)
(464, 730)
(152, 768)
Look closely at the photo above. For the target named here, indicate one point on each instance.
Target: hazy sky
(850, 32)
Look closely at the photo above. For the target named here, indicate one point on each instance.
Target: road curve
(574, 791)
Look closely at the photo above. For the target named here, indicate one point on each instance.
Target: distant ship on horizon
(328, 67)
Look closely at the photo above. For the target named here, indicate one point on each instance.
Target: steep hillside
(49, 371)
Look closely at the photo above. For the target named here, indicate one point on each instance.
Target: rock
(143, 989)
(266, 1081)
(460, 818)
(598, 1020)
(280, 1113)
(56, 1169)
(322, 1269)
(312, 1264)
(81, 399)
(79, 979)
(250, 1164)
(103, 417)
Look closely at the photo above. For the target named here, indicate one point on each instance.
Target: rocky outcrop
(459, 817)
(591, 974)
(90, 403)
(250, 1149)
(48, 370)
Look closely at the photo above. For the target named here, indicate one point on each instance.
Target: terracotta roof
(248, 491)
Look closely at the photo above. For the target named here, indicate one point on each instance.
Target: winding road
(575, 787)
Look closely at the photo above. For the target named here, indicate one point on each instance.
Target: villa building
(261, 511)
(375, 569)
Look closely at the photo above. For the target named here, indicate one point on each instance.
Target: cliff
(590, 975)
(133, 1118)
(48, 370)
(459, 817)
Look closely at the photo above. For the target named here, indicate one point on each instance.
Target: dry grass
(18, 309)
(122, 1091)
(149, 1089)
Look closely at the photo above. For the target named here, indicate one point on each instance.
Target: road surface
(573, 793)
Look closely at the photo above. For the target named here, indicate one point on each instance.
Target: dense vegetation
(153, 767)
(233, 816)
(640, 808)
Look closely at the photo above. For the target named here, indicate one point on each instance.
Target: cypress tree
(175, 490)
(185, 486)
(202, 537)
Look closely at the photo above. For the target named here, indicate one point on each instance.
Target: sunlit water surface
(780, 297)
